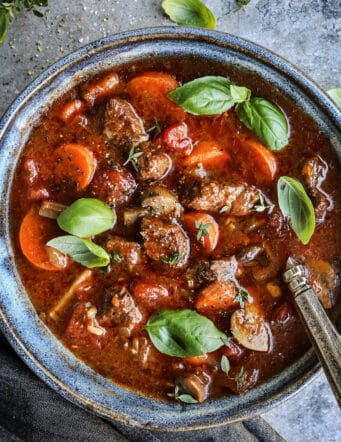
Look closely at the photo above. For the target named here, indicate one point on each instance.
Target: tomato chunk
(176, 138)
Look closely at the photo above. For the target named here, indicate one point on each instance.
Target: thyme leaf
(133, 157)
(202, 229)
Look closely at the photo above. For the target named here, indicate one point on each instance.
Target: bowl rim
(277, 63)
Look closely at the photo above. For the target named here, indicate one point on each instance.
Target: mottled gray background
(306, 32)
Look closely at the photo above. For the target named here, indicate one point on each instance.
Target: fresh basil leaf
(189, 13)
(225, 364)
(208, 95)
(240, 93)
(83, 251)
(4, 23)
(297, 206)
(186, 398)
(86, 217)
(183, 333)
(336, 95)
(267, 120)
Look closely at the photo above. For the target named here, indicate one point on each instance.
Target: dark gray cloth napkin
(31, 411)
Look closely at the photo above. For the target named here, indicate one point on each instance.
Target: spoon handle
(323, 334)
(324, 337)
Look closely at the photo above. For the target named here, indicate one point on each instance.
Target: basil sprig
(208, 95)
(189, 13)
(297, 206)
(86, 217)
(266, 120)
(213, 95)
(336, 95)
(184, 333)
(83, 251)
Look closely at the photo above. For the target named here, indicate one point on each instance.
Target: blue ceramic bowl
(29, 336)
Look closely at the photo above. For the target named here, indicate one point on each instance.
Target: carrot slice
(204, 228)
(74, 161)
(217, 297)
(150, 295)
(101, 89)
(209, 154)
(35, 232)
(71, 109)
(148, 93)
(259, 161)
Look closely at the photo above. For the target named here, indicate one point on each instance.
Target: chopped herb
(186, 398)
(239, 378)
(173, 259)
(202, 229)
(157, 127)
(225, 364)
(264, 203)
(132, 158)
(115, 257)
(225, 208)
(241, 296)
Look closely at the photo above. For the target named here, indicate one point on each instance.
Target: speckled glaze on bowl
(29, 336)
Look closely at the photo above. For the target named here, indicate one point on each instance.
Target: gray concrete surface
(305, 32)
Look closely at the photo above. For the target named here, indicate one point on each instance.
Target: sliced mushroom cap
(160, 201)
(323, 278)
(250, 329)
(197, 385)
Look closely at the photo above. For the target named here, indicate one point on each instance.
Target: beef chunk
(165, 240)
(237, 199)
(314, 172)
(153, 164)
(128, 253)
(121, 312)
(113, 185)
(122, 125)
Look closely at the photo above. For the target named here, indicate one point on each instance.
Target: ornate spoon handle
(323, 335)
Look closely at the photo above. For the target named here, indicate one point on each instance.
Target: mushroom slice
(160, 201)
(323, 278)
(51, 209)
(250, 329)
(197, 385)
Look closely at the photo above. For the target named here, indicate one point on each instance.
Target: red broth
(157, 260)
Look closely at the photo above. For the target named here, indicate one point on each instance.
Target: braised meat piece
(153, 164)
(121, 311)
(113, 185)
(220, 270)
(128, 253)
(236, 199)
(165, 240)
(122, 125)
(314, 172)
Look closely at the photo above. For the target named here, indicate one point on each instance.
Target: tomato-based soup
(190, 235)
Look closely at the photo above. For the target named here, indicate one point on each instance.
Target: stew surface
(193, 232)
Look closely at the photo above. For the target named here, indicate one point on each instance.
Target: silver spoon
(323, 335)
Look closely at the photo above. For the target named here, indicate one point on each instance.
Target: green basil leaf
(225, 364)
(83, 251)
(336, 95)
(297, 206)
(267, 120)
(183, 333)
(4, 23)
(189, 13)
(240, 93)
(187, 399)
(208, 95)
(86, 217)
